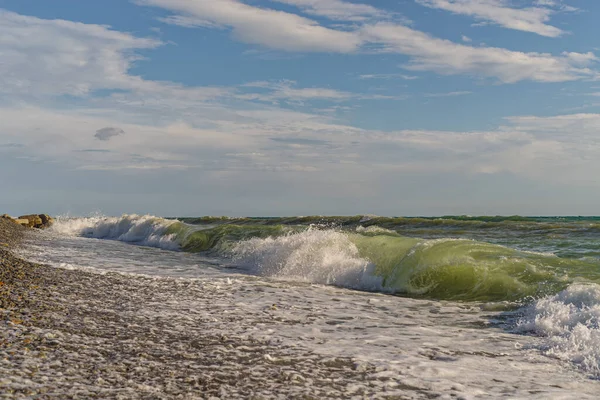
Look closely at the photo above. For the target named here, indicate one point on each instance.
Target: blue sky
(280, 107)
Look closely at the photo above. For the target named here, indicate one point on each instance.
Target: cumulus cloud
(107, 133)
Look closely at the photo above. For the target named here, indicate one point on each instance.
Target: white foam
(317, 256)
(570, 321)
(374, 229)
(145, 230)
(368, 217)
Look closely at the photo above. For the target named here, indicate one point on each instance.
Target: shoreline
(77, 334)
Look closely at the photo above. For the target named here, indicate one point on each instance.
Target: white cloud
(266, 27)
(176, 127)
(388, 76)
(190, 22)
(337, 9)
(566, 128)
(466, 39)
(50, 58)
(61, 135)
(558, 4)
(530, 19)
(448, 94)
(57, 56)
(285, 31)
(287, 91)
(447, 58)
(558, 149)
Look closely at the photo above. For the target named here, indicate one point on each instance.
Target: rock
(24, 222)
(46, 220)
(34, 220)
(37, 220)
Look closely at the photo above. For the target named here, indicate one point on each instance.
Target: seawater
(396, 291)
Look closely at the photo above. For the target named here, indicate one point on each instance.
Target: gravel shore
(76, 334)
(17, 277)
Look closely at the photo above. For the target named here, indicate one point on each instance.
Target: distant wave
(449, 222)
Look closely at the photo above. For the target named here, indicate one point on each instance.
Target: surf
(371, 259)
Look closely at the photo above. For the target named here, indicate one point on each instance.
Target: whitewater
(451, 307)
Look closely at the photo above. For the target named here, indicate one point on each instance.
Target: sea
(464, 306)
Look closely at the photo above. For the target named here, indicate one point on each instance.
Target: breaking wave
(143, 230)
(372, 258)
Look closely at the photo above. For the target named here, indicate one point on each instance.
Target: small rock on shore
(39, 221)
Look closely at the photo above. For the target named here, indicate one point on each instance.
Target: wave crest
(316, 256)
(144, 230)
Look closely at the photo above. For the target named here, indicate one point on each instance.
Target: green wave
(222, 237)
(470, 270)
(456, 269)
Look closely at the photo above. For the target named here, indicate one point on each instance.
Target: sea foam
(570, 322)
(315, 256)
(144, 230)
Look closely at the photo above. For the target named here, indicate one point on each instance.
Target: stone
(34, 220)
(46, 220)
(37, 220)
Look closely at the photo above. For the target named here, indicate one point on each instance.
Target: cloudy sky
(296, 107)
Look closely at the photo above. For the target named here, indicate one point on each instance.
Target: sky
(300, 107)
